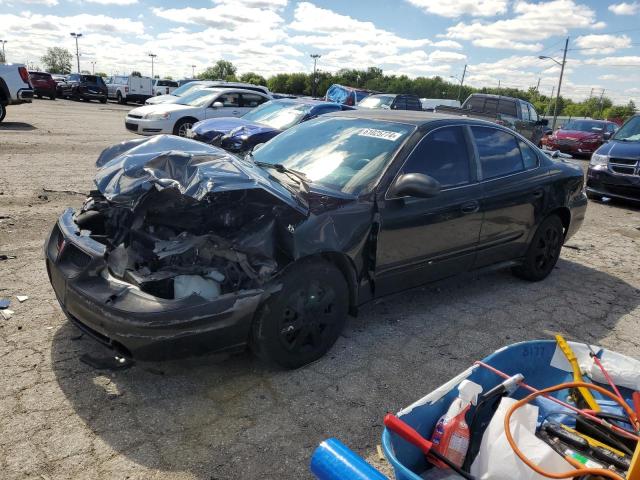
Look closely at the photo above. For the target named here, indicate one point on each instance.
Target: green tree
(57, 60)
(136, 73)
(222, 70)
(254, 78)
(101, 74)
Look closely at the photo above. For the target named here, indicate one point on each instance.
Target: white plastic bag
(496, 460)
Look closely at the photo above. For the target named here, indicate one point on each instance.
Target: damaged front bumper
(130, 321)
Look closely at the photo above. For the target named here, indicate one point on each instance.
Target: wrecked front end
(174, 251)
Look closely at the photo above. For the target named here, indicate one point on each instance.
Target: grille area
(624, 166)
(131, 126)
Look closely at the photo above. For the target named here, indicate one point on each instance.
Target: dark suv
(87, 87)
(391, 101)
(614, 170)
(511, 112)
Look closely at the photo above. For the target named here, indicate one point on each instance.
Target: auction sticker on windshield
(384, 134)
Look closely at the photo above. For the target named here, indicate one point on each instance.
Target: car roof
(493, 95)
(304, 101)
(410, 117)
(217, 88)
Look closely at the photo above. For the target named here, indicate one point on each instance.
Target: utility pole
(4, 55)
(315, 57)
(538, 86)
(77, 36)
(600, 103)
(464, 72)
(590, 96)
(153, 56)
(193, 71)
(93, 67)
(564, 61)
(546, 112)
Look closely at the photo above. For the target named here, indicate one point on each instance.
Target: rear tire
(3, 111)
(103, 100)
(120, 99)
(543, 252)
(303, 320)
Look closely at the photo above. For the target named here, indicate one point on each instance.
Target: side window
(491, 106)
(400, 103)
(475, 104)
(533, 114)
(525, 112)
(611, 127)
(229, 99)
(443, 155)
(529, 157)
(252, 100)
(507, 107)
(499, 152)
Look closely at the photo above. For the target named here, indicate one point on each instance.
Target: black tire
(182, 125)
(120, 99)
(543, 252)
(3, 111)
(303, 320)
(39, 96)
(103, 100)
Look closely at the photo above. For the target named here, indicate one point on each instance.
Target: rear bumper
(24, 95)
(600, 181)
(131, 322)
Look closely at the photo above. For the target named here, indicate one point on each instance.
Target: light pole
(564, 61)
(464, 72)
(193, 71)
(4, 56)
(314, 85)
(153, 56)
(77, 36)
(93, 67)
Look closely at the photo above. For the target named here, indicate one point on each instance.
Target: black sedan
(87, 87)
(614, 170)
(184, 247)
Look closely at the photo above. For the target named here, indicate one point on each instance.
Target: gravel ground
(230, 417)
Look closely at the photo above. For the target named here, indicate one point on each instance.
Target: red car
(43, 85)
(580, 137)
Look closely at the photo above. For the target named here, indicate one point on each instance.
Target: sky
(499, 40)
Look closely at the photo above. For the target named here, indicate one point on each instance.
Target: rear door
(249, 101)
(514, 187)
(424, 239)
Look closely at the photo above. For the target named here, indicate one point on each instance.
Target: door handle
(538, 193)
(470, 207)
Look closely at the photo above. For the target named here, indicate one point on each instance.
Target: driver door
(425, 239)
(230, 106)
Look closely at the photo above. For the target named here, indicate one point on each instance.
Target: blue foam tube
(333, 460)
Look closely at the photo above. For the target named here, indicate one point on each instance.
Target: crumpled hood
(243, 130)
(130, 169)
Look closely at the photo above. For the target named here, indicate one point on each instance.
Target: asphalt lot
(220, 417)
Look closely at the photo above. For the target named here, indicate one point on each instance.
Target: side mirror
(544, 122)
(607, 135)
(217, 105)
(415, 185)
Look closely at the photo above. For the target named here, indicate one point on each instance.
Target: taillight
(24, 75)
(126, 89)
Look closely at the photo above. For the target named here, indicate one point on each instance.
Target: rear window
(39, 76)
(507, 107)
(92, 79)
(167, 83)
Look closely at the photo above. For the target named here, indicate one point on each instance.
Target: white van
(129, 89)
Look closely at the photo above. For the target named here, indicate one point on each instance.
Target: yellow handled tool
(577, 374)
(634, 470)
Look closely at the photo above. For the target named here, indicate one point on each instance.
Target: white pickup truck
(129, 89)
(15, 86)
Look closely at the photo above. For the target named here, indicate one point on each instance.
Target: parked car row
(579, 136)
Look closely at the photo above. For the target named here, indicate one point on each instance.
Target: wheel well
(565, 217)
(348, 270)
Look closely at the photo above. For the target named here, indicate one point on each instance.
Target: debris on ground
(4, 303)
(107, 363)
(68, 192)
(22, 298)
(6, 257)
(6, 313)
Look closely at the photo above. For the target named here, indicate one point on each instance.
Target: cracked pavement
(228, 417)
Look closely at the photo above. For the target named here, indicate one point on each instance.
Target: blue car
(239, 135)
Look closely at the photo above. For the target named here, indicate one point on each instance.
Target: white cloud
(457, 8)
(447, 44)
(601, 44)
(531, 23)
(46, 3)
(625, 8)
(622, 61)
(113, 2)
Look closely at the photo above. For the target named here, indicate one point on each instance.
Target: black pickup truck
(511, 112)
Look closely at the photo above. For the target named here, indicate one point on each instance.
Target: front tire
(543, 252)
(120, 99)
(303, 320)
(181, 127)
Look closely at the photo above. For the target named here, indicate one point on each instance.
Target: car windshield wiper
(300, 177)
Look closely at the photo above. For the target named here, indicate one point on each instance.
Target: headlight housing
(597, 159)
(157, 116)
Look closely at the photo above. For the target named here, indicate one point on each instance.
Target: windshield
(378, 101)
(199, 98)
(187, 88)
(584, 126)
(280, 115)
(630, 131)
(346, 154)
